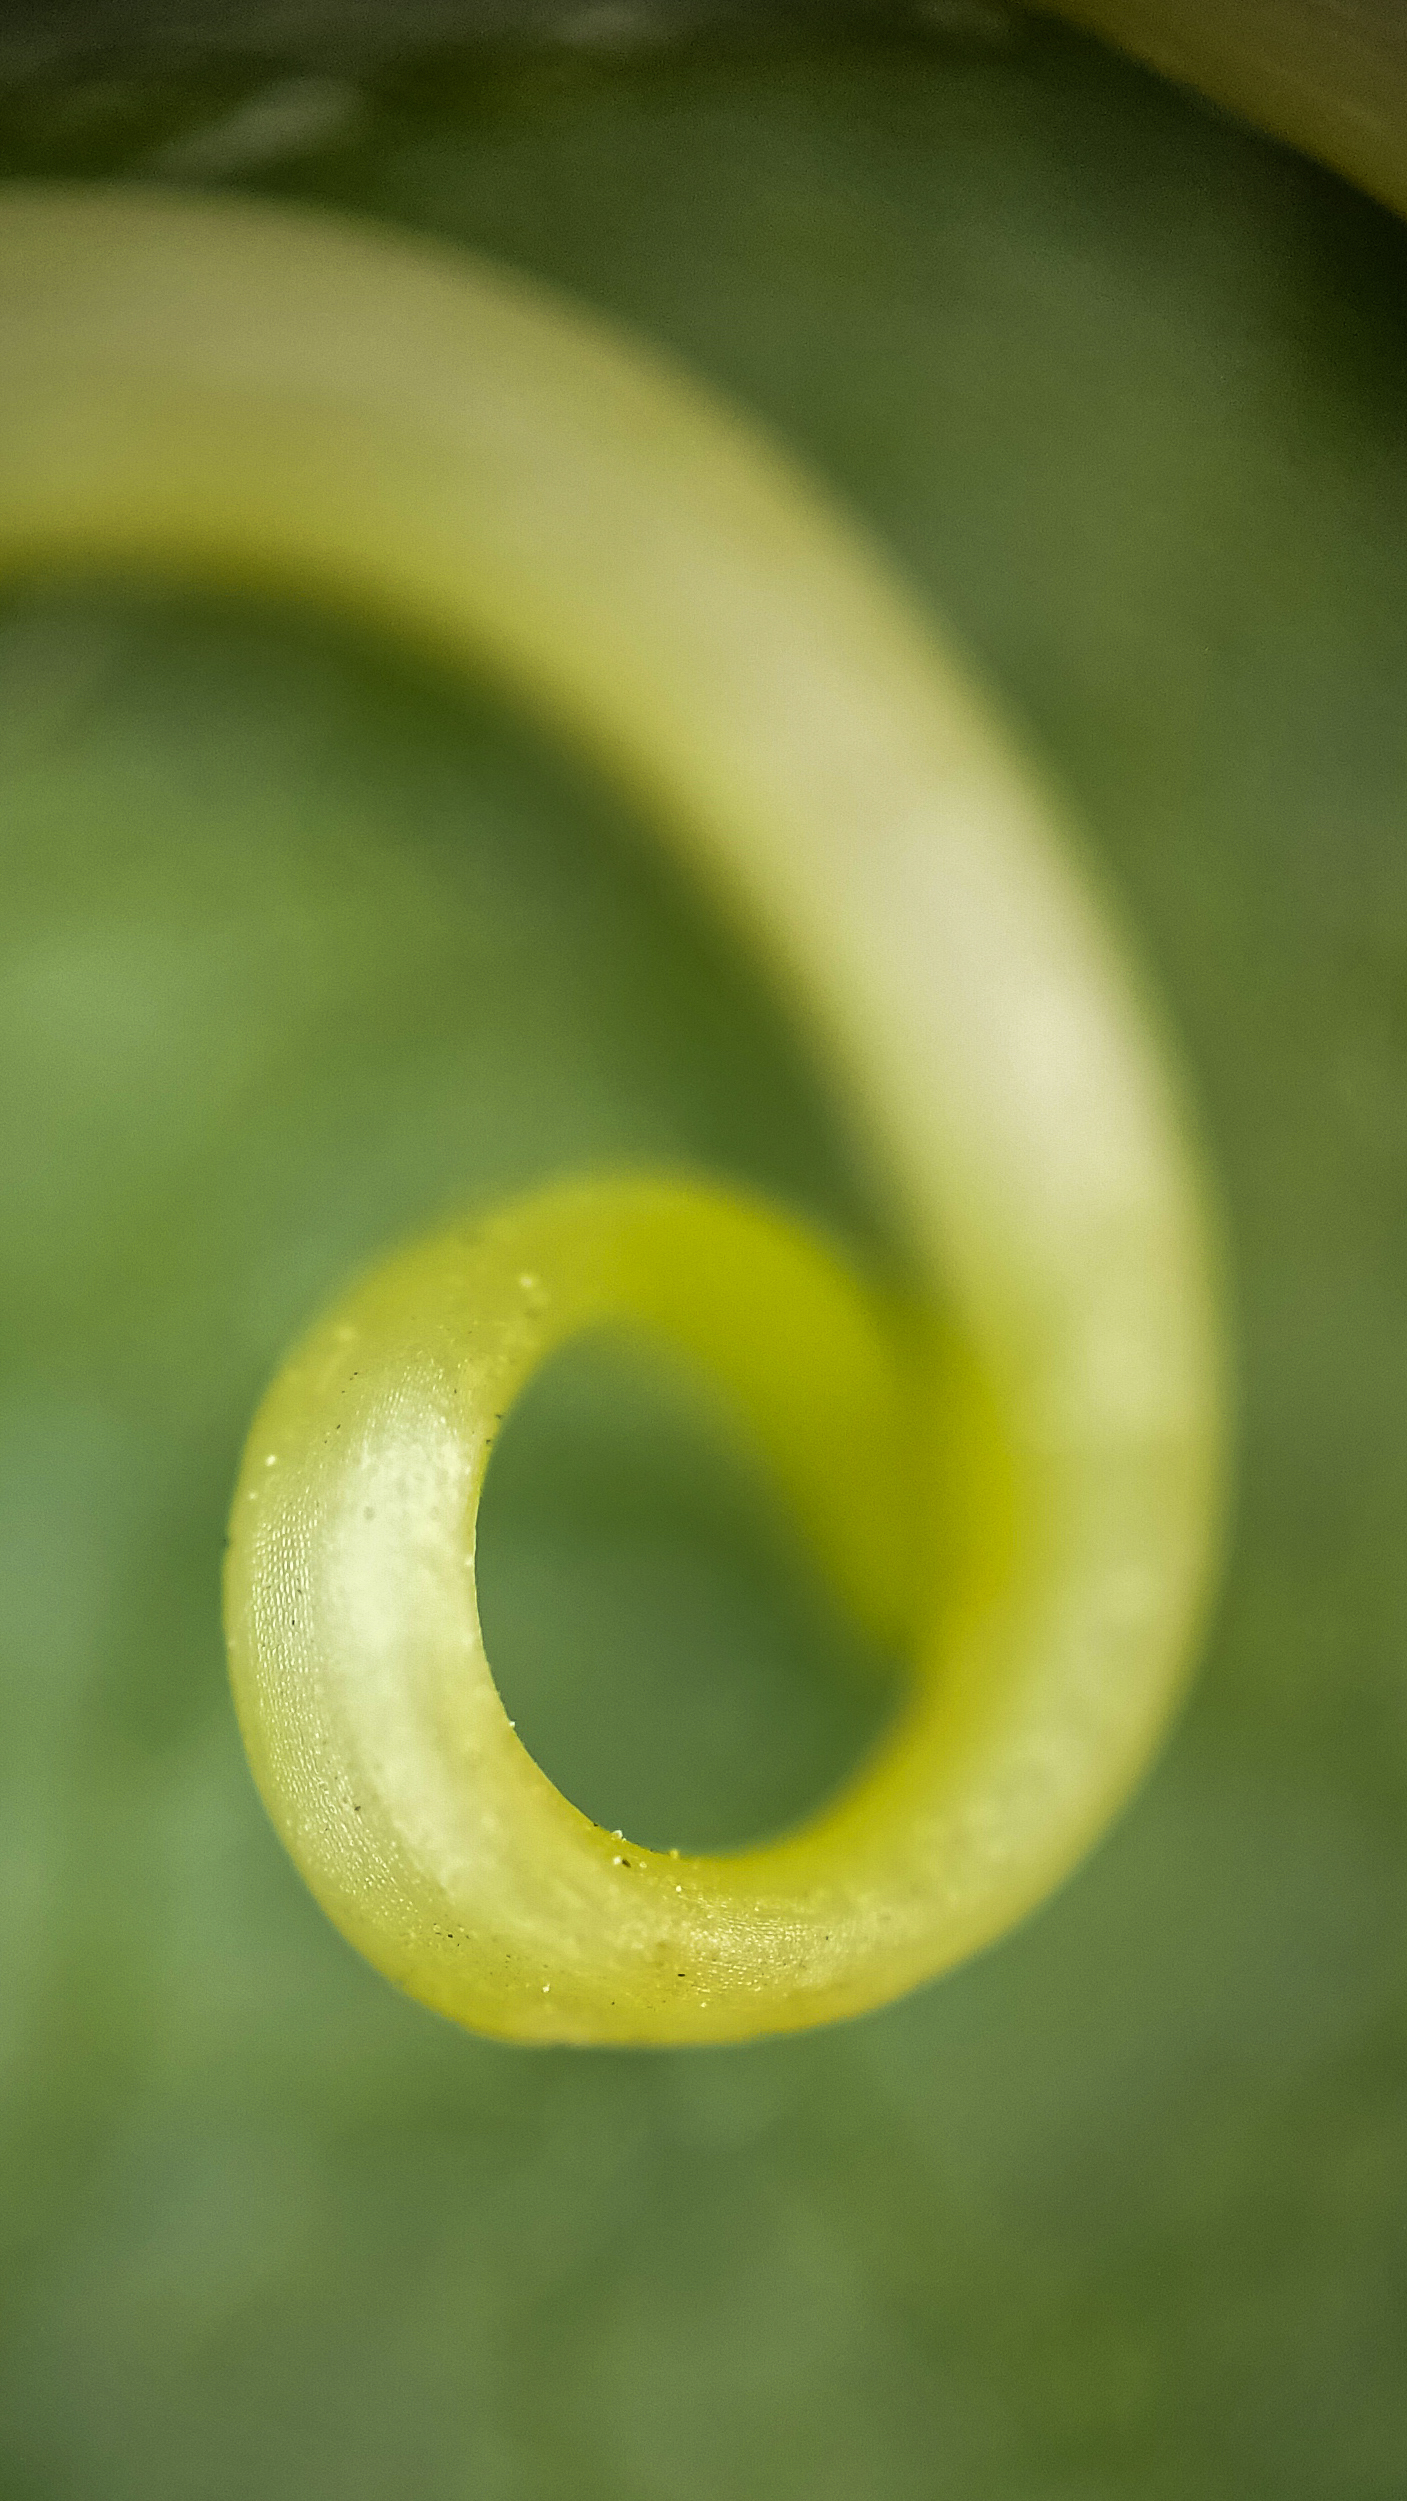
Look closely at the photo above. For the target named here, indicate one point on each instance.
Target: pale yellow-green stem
(1329, 76)
(260, 395)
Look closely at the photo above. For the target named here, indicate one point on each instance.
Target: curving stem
(269, 396)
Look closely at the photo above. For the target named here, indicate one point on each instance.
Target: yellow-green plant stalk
(1016, 1463)
(1330, 78)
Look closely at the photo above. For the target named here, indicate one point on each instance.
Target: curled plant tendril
(1018, 1473)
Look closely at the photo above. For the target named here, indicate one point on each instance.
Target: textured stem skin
(260, 395)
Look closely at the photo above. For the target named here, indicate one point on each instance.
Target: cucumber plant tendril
(1012, 1468)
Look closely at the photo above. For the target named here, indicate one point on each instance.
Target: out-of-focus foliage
(297, 949)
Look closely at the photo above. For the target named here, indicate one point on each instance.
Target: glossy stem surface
(257, 395)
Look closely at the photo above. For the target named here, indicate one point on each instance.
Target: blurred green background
(301, 945)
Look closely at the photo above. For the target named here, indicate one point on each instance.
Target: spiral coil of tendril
(1012, 1467)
